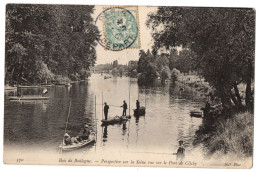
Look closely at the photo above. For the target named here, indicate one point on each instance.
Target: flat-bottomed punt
(78, 145)
(28, 98)
(115, 120)
(10, 88)
(139, 112)
(196, 114)
(28, 86)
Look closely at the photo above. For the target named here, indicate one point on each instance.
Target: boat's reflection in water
(105, 134)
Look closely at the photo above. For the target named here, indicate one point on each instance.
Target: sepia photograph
(129, 86)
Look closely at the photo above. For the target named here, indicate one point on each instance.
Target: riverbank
(226, 138)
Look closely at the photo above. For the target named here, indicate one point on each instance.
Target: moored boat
(7, 88)
(67, 85)
(115, 120)
(78, 145)
(196, 114)
(28, 86)
(28, 98)
(139, 112)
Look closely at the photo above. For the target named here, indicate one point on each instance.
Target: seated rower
(84, 134)
(67, 139)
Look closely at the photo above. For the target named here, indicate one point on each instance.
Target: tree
(186, 61)
(60, 36)
(221, 38)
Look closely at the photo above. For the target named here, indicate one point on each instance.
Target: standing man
(106, 107)
(137, 105)
(124, 108)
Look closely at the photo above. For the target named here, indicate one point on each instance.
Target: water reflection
(167, 120)
(105, 134)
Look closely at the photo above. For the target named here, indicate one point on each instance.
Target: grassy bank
(228, 137)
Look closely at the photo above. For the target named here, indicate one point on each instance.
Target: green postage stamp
(121, 28)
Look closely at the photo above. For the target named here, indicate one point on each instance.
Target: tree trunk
(248, 93)
(237, 95)
(249, 105)
(235, 101)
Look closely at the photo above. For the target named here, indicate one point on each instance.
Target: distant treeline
(47, 43)
(164, 65)
(117, 69)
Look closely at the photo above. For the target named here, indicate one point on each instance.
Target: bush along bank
(227, 135)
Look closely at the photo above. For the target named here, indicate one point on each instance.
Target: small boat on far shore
(115, 120)
(47, 85)
(196, 114)
(28, 98)
(67, 85)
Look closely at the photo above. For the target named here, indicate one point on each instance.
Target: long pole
(145, 98)
(102, 105)
(96, 115)
(67, 118)
(129, 99)
(66, 124)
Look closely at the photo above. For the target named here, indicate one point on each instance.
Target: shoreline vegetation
(209, 49)
(49, 43)
(227, 137)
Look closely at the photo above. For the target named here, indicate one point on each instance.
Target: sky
(146, 42)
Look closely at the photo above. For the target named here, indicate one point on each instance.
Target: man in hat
(137, 105)
(124, 108)
(84, 134)
(106, 107)
(180, 151)
(67, 139)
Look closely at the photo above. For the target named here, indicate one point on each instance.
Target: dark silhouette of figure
(206, 109)
(67, 139)
(105, 132)
(106, 107)
(124, 108)
(84, 134)
(180, 151)
(137, 105)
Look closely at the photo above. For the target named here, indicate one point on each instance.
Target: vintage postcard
(141, 86)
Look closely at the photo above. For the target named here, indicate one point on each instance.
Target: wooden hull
(29, 98)
(10, 88)
(115, 120)
(196, 114)
(25, 86)
(79, 145)
(47, 85)
(139, 112)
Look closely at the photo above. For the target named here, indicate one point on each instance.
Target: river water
(39, 125)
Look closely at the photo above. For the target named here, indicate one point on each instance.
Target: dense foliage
(152, 66)
(221, 38)
(44, 42)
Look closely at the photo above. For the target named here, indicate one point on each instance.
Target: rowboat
(67, 85)
(196, 114)
(7, 88)
(115, 120)
(78, 145)
(47, 85)
(28, 86)
(139, 112)
(29, 98)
